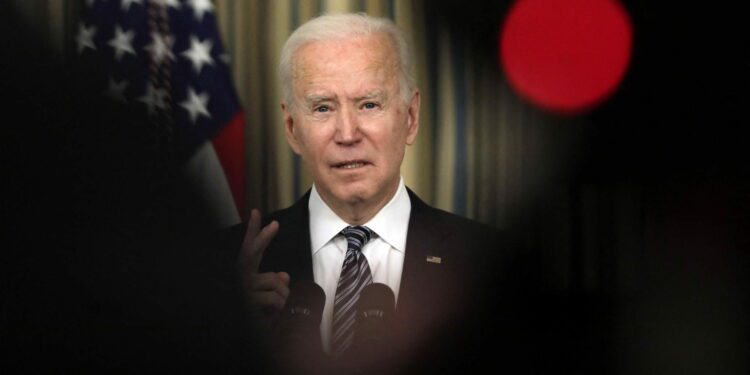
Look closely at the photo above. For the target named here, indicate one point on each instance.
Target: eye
(322, 109)
(369, 105)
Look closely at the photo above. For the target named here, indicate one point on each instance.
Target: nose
(347, 128)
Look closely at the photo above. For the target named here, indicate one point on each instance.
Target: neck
(360, 212)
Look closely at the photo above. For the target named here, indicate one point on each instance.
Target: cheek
(312, 145)
(394, 149)
(397, 136)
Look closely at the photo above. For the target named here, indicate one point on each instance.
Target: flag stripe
(229, 143)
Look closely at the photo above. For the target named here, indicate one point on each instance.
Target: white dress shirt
(384, 252)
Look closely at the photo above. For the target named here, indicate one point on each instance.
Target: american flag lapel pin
(434, 259)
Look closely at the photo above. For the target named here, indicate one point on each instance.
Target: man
(350, 109)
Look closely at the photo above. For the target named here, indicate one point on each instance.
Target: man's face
(349, 122)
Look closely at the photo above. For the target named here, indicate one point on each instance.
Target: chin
(354, 195)
(362, 191)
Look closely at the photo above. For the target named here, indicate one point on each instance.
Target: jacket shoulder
(451, 225)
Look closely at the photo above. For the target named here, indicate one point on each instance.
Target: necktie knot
(357, 237)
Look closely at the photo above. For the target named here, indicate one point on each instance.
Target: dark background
(103, 265)
(656, 279)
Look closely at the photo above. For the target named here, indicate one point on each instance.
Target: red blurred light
(566, 56)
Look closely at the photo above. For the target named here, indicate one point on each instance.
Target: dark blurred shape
(108, 264)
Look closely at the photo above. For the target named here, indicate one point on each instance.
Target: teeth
(352, 165)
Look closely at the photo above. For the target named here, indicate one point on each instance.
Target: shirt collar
(390, 223)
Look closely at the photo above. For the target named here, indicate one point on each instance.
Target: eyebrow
(372, 95)
(314, 99)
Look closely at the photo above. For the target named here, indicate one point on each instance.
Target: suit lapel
(420, 275)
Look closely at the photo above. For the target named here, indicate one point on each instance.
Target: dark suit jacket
(484, 307)
(453, 316)
(443, 307)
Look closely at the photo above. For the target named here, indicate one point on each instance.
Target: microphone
(298, 330)
(375, 310)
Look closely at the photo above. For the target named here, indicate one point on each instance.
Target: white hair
(341, 26)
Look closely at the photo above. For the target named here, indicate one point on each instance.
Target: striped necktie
(355, 275)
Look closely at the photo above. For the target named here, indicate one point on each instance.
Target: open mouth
(352, 164)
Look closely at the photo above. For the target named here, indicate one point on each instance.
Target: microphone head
(376, 299)
(298, 347)
(305, 302)
(375, 310)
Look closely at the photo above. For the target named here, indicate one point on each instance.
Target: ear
(413, 120)
(290, 130)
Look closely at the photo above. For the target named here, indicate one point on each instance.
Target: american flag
(165, 57)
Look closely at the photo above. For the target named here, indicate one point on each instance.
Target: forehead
(347, 61)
